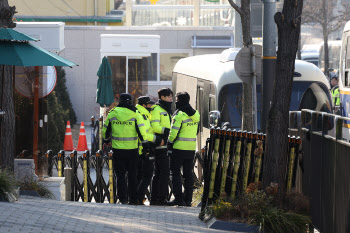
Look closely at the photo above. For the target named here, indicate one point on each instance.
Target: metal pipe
(255, 108)
(269, 59)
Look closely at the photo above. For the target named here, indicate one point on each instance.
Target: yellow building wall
(59, 7)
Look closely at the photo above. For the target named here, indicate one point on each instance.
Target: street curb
(213, 223)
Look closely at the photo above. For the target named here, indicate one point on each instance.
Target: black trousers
(126, 162)
(145, 174)
(184, 159)
(161, 176)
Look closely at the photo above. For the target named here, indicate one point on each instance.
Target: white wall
(82, 46)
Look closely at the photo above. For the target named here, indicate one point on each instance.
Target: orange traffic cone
(82, 144)
(68, 140)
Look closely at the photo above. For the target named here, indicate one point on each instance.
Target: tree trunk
(8, 120)
(7, 136)
(247, 101)
(276, 152)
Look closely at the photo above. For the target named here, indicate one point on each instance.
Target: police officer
(160, 121)
(181, 148)
(123, 127)
(147, 159)
(335, 91)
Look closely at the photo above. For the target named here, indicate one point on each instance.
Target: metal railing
(233, 159)
(97, 186)
(325, 167)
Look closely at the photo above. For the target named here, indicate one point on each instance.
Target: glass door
(132, 74)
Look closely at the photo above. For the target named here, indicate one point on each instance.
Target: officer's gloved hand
(145, 145)
(145, 148)
(143, 156)
(166, 133)
(170, 149)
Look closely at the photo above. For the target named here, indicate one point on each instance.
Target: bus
(344, 79)
(214, 86)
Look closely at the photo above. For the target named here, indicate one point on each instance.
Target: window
(167, 64)
(309, 95)
(347, 59)
(118, 65)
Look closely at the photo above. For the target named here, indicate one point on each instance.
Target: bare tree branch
(236, 7)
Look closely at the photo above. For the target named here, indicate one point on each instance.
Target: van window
(230, 99)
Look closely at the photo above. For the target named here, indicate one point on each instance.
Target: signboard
(243, 64)
(24, 80)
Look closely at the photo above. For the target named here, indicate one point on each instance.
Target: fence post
(258, 154)
(339, 128)
(100, 132)
(68, 174)
(85, 170)
(60, 163)
(236, 164)
(226, 160)
(217, 184)
(73, 156)
(92, 124)
(214, 163)
(111, 180)
(247, 161)
(99, 176)
(49, 155)
(292, 142)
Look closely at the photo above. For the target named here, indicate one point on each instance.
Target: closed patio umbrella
(104, 94)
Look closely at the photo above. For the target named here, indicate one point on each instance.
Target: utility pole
(237, 34)
(269, 58)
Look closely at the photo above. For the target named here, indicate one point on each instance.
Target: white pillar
(128, 13)
(196, 13)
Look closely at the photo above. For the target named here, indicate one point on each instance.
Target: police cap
(144, 100)
(125, 98)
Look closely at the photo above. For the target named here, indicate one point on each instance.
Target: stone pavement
(33, 214)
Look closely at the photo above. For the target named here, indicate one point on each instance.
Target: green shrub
(7, 184)
(259, 208)
(275, 220)
(223, 210)
(40, 188)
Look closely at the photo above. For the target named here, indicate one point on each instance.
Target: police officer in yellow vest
(181, 148)
(335, 90)
(147, 159)
(123, 127)
(160, 121)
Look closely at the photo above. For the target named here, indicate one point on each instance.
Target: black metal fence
(326, 169)
(85, 188)
(97, 186)
(234, 159)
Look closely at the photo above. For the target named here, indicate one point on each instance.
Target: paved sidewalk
(33, 214)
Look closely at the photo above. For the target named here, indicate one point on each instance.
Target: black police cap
(144, 100)
(125, 97)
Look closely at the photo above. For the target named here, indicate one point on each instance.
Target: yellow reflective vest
(183, 131)
(126, 127)
(335, 95)
(160, 121)
(145, 117)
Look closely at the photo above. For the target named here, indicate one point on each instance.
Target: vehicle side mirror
(214, 117)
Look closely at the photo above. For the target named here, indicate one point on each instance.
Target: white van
(213, 84)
